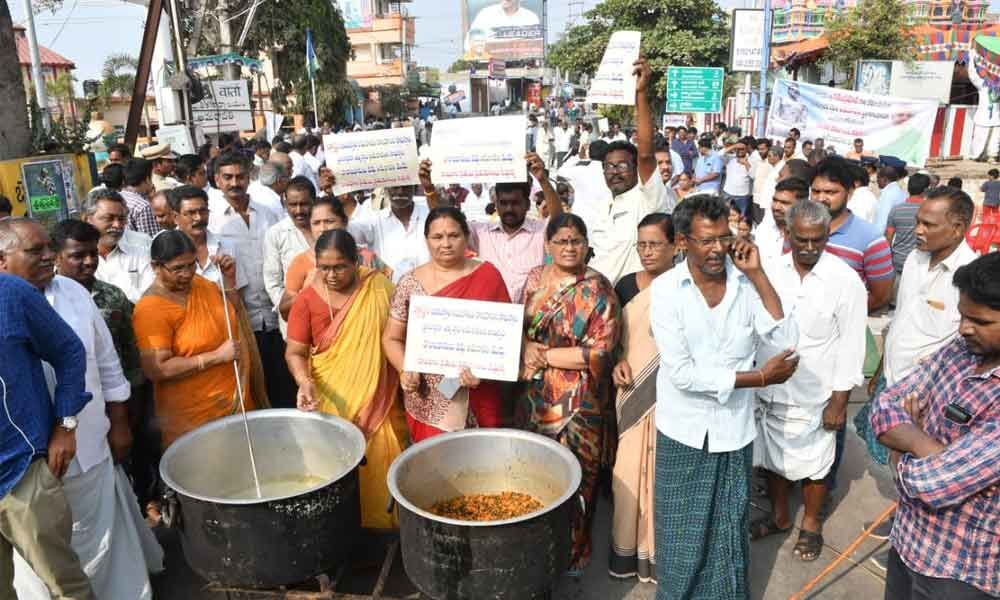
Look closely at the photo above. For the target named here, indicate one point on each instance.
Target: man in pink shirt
(515, 244)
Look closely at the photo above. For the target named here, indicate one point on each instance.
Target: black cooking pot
(516, 559)
(309, 517)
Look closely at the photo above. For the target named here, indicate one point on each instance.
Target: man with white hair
(124, 253)
(797, 420)
(116, 548)
(268, 189)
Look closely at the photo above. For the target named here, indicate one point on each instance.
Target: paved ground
(775, 573)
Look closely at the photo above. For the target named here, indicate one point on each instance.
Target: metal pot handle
(170, 510)
(583, 504)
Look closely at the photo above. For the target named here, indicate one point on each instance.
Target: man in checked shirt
(942, 424)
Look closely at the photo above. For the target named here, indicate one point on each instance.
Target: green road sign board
(694, 89)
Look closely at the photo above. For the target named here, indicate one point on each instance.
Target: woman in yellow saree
(335, 354)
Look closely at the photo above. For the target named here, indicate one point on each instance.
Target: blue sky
(87, 31)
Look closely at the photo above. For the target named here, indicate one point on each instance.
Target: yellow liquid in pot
(270, 488)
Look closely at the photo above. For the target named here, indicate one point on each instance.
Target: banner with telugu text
(890, 126)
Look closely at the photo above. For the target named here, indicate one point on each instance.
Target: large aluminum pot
(517, 558)
(310, 514)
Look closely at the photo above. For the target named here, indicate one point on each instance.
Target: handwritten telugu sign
(366, 160)
(479, 150)
(614, 83)
(445, 335)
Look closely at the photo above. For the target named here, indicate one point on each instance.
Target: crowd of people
(695, 307)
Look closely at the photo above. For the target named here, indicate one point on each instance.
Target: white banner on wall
(919, 80)
(889, 125)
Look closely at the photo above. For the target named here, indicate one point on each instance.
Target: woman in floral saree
(571, 331)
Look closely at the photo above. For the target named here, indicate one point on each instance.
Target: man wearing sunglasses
(636, 187)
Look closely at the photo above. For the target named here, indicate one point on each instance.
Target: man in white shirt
(190, 208)
(770, 233)
(300, 167)
(116, 548)
(708, 315)
(124, 253)
(396, 233)
(765, 176)
(636, 187)
(244, 223)
(503, 14)
(563, 135)
(475, 203)
(269, 187)
(591, 195)
(668, 163)
(313, 154)
(286, 239)
(737, 188)
(863, 202)
(797, 420)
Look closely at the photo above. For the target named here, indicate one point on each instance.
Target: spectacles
(642, 246)
(577, 243)
(335, 269)
(724, 241)
(178, 269)
(617, 167)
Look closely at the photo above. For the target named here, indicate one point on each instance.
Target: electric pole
(36, 67)
(229, 70)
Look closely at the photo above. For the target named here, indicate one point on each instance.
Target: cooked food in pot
(486, 507)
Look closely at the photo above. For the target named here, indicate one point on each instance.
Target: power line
(63, 26)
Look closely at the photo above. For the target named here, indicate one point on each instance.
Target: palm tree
(118, 79)
(61, 90)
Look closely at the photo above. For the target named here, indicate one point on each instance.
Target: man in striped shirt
(858, 244)
(900, 229)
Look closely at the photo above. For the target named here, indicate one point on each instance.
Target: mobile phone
(954, 412)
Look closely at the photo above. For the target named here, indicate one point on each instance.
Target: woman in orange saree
(450, 274)
(335, 354)
(181, 329)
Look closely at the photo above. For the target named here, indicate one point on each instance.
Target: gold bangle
(228, 290)
(763, 382)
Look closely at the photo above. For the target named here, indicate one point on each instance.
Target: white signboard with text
(919, 79)
(225, 107)
(446, 335)
(614, 83)
(479, 150)
(747, 42)
(366, 160)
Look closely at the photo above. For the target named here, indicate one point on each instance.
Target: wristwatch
(69, 423)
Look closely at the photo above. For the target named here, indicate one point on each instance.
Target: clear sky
(87, 31)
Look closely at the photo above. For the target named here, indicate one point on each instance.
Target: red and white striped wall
(952, 135)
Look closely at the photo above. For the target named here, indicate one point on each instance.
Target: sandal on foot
(765, 526)
(809, 546)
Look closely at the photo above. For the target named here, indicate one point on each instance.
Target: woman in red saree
(449, 275)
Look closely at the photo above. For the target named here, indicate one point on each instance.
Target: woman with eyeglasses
(183, 334)
(632, 532)
(571, 331)
(335, 355)
(449, 274)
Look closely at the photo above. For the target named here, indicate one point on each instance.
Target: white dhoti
(791, 441)
(985, 142)
(116, 548)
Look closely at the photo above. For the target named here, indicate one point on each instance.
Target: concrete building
(53, 65)
(796, 20)
(382, 45)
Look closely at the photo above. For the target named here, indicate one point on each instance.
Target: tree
(61, 90)
(674, 33)
(873, 29)
(118, 76)
(461, 66)
(15, 135)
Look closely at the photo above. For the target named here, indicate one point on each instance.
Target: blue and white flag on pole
(312, 63)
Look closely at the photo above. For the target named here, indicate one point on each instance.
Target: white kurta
(116, 548)
(829, 305)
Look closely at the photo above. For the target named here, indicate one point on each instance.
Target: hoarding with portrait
(504, 29)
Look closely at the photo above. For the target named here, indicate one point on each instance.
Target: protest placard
(365, 160)
(479, 150)
(446, 335)
(614, 83)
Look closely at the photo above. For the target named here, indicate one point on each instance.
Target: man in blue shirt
(708, 168)
(683, 146)
(37, 434)
(892, 194)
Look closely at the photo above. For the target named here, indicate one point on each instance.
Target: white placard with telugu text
(365, 160)
(445, 335)
(479, 150)
(614, 83)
